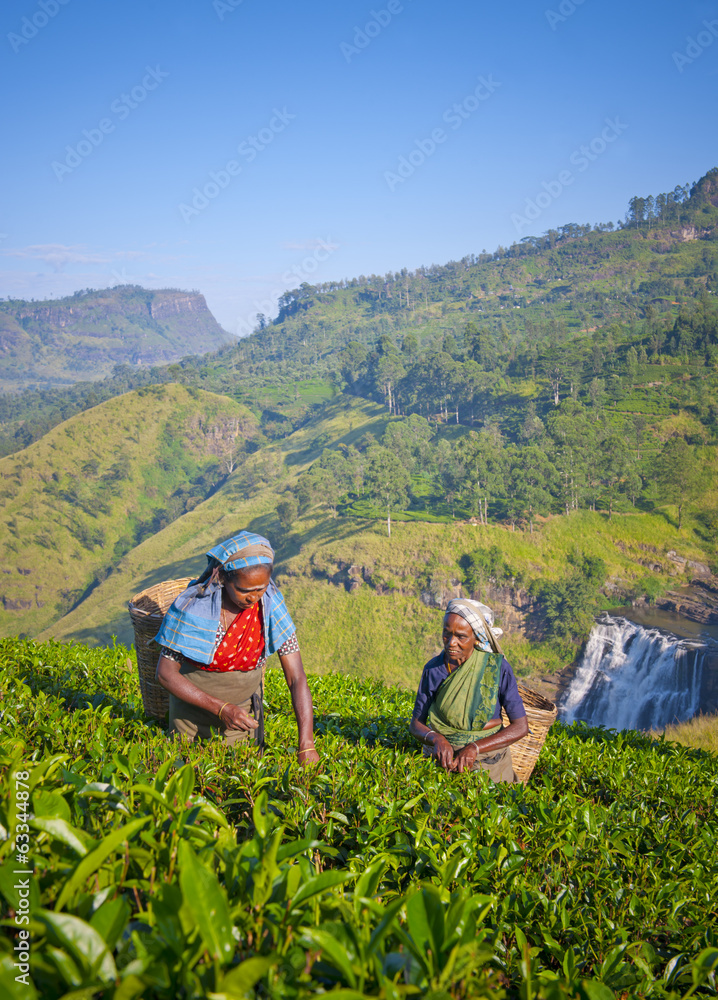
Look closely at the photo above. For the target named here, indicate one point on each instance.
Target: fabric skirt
(499, 764)
(233, 686)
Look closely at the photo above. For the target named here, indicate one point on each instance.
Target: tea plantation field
(161, 871)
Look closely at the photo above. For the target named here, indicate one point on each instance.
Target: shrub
(163, 871)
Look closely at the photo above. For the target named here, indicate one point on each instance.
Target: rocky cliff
(84, 336)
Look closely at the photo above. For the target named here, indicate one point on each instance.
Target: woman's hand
(442, 752)
(308, 756)
(466, 758)
(235, 717)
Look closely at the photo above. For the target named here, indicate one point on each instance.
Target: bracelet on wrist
(307, 749)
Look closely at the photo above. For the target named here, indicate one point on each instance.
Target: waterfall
(631, 677)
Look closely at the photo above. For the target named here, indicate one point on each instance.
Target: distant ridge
(83, 336)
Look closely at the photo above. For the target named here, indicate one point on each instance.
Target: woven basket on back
(540, 714)
(147, 609)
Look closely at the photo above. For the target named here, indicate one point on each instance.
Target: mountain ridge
(85, 335)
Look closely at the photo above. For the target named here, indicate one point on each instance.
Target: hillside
(595, 312)
(73, 503)
(350, 587)
(524, 301)
(84, 336)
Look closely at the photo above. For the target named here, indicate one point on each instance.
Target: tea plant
(163, 870)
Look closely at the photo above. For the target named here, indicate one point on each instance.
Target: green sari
(466, 699)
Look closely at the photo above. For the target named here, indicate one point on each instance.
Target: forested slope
(495, 334)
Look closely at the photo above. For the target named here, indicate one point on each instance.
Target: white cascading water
(631, 677)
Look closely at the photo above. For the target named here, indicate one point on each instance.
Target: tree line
(574, 462)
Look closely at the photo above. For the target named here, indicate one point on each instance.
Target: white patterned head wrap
(467, 609)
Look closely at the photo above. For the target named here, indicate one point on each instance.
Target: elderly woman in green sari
(457, 714)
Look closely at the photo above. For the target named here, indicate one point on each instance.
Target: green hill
(73, 503)
(365, 603)
(84, 336)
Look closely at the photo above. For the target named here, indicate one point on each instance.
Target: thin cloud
(57, 255)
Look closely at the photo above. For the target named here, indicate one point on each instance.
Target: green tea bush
(163, 870)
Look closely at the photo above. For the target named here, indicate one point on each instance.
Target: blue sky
(239, 148)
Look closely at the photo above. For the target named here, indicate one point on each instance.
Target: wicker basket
(147, 609)
(541, 714)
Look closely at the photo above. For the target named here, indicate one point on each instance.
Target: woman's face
(459, 640)
(244, 587)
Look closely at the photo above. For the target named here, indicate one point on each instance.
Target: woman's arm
(441, 749)
(302, 704)
(515, 731)
(169, 676)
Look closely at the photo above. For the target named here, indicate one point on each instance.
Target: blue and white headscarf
(241, 550)
(481, 619)
(190, 626)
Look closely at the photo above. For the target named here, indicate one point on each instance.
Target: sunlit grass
(700, 732)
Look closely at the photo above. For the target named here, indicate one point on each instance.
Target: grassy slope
(382, 629)
(64, 511)
(700, 732)
(177, 550)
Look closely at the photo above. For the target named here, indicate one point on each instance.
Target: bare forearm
(504, 738)
(169, 676)
(421, 732)
(441, 749)
(301, 697)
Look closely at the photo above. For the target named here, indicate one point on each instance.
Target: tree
(558, 368)
(318, 486)
(574, 435)
(389, 372)
(632, 361)
(485, 462)
(287, 511)
(409, 440)
(386, 481)
(597, 394)
(616, 467)
(452, 472)
(679, 475)
(531, 475)
(352, 363)
(570, 605)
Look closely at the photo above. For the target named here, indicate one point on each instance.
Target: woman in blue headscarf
(215, 640)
